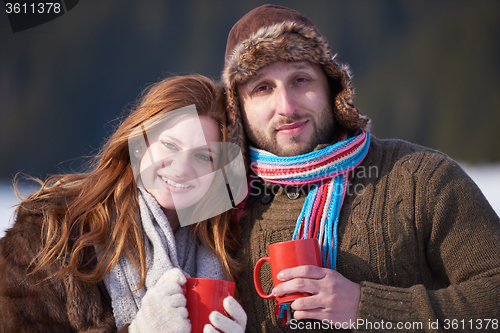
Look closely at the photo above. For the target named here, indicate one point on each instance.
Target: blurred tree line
(424, 71)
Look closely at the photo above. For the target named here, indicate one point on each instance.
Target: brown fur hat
(272, 33)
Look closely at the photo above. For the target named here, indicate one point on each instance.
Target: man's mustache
(289, 120)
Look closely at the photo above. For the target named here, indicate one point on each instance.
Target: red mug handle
(256, 277)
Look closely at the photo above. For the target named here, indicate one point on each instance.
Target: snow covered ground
(487, 177)
(8, 200)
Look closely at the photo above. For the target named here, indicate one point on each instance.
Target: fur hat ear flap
(236, 132)
(346, 115)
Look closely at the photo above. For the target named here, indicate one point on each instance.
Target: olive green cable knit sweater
(414, 231)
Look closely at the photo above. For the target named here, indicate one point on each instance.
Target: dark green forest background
(427, 71)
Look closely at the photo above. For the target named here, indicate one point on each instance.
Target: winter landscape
(487, 177)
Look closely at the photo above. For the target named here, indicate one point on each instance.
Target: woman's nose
(181, 164)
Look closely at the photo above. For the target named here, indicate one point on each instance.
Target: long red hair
(100, 207)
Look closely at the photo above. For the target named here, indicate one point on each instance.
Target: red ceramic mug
(287, 255)
(204, 296)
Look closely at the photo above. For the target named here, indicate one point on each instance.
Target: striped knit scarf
(328, 170)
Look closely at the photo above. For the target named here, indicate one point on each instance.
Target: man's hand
(333, 297)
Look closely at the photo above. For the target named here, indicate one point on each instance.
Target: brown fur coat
(29, 303)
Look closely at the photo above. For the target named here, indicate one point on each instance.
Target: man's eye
(301, 79)
(261, 88)
(170, 146)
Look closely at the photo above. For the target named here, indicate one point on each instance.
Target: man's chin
(281, 146)
(291, 149)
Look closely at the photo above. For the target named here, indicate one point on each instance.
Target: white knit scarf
(164, 251)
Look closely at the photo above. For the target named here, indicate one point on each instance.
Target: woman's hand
(235, 324)
(163, 308)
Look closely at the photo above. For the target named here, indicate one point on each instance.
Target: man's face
(286, 108)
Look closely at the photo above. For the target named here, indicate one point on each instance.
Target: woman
(96, 251)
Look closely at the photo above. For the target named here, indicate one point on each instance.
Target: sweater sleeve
(462, 246)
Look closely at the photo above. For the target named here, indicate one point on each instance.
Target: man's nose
(285, 101)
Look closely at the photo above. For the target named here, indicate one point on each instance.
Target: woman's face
(178, 166)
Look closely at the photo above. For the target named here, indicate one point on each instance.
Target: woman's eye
(170, 146)
(204, 157)
(301, 79)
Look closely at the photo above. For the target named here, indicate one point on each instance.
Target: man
(408, 240)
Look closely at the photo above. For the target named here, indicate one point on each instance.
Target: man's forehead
(268, 70)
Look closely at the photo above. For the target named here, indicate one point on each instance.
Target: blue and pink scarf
(328, 171)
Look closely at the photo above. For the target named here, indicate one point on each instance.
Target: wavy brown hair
(101, 208)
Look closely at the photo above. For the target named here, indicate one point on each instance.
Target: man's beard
(265, 139)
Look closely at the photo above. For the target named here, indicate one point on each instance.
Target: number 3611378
(33, 8)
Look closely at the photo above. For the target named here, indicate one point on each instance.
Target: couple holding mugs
(201, 178)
